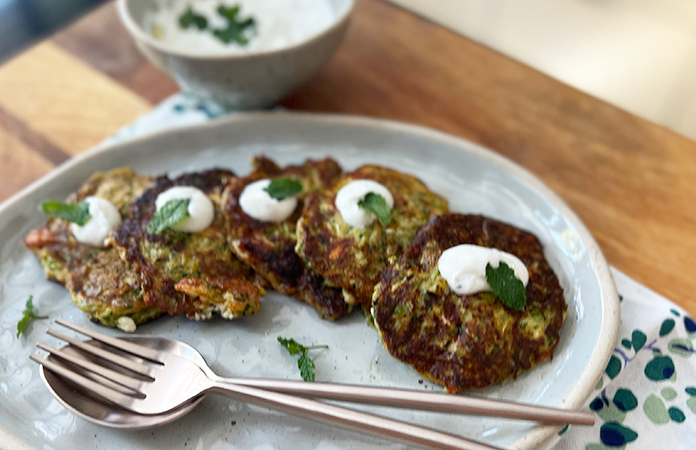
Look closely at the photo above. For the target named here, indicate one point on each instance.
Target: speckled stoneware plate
(474, 180)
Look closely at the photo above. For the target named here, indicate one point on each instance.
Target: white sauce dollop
(464, 267)
(349, 195)
(256, 203)
(201, 210)
(279, 24)
(105, 217)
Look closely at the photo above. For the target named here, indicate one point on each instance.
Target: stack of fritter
(388, 268)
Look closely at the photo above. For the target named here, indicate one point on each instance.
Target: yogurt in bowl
(243, 54)
(265, 25)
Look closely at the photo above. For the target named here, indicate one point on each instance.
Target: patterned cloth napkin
(646, 398)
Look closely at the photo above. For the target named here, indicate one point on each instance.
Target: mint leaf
(376, 204)
(28, 316)
(236, 28)
(282, 188)
(304, 363)
(228, 12)
(190, 18)
(72, 212)
(291, 345)
(173, 212)
(306, 366)
(506, 286)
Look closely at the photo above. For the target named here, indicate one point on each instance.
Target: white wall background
(639, 55)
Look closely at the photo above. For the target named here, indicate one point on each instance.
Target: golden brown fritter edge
(269, 248)
(100, 284)
(188, 273)
(353, 258)
(470, 341)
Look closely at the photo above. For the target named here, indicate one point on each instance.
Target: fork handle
(347, 418)
(426, 401)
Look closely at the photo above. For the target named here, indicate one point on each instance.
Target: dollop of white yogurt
(257, 203)
(349, 195)
(201, 210)
(464, 267)
(104, 218)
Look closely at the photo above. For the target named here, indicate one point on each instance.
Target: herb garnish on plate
(282, 188)
(304, 363)
(72, 212)
(377, 205)
(506, 286)
(29, 315)
(173, 212)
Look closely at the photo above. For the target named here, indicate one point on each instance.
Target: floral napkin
(646, 398)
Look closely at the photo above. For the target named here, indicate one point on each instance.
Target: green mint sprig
(377, 205)
(506, 286)
(229, 12)
(173, 212)
(304, 363)
(236, 30)
(72, 212)
(190, 18)
(29, 315)
(282, 188)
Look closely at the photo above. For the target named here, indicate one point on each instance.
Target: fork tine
(94, 376)
(99, 389)
(105, 372)
(135, 349)
(126, 363)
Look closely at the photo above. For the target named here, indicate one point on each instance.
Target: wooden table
(631, 181)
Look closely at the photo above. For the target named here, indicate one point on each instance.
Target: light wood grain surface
(632, 182)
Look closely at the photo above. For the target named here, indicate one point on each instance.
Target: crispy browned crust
(472, 341)
(193, 274)
(99, 282)
(54, 239)
(269, 248)
(354, 259)
(56, 248)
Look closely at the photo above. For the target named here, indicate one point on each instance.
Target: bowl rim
(140, 35)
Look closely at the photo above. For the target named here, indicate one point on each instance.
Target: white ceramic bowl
(239, 81)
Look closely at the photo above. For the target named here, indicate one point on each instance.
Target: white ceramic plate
(473, 179)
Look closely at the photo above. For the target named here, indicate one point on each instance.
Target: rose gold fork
(152, 381)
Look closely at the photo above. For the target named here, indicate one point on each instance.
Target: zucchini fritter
(269, 247)
(100, 283)
(193, 274)
(469, 341)
(352, 258)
